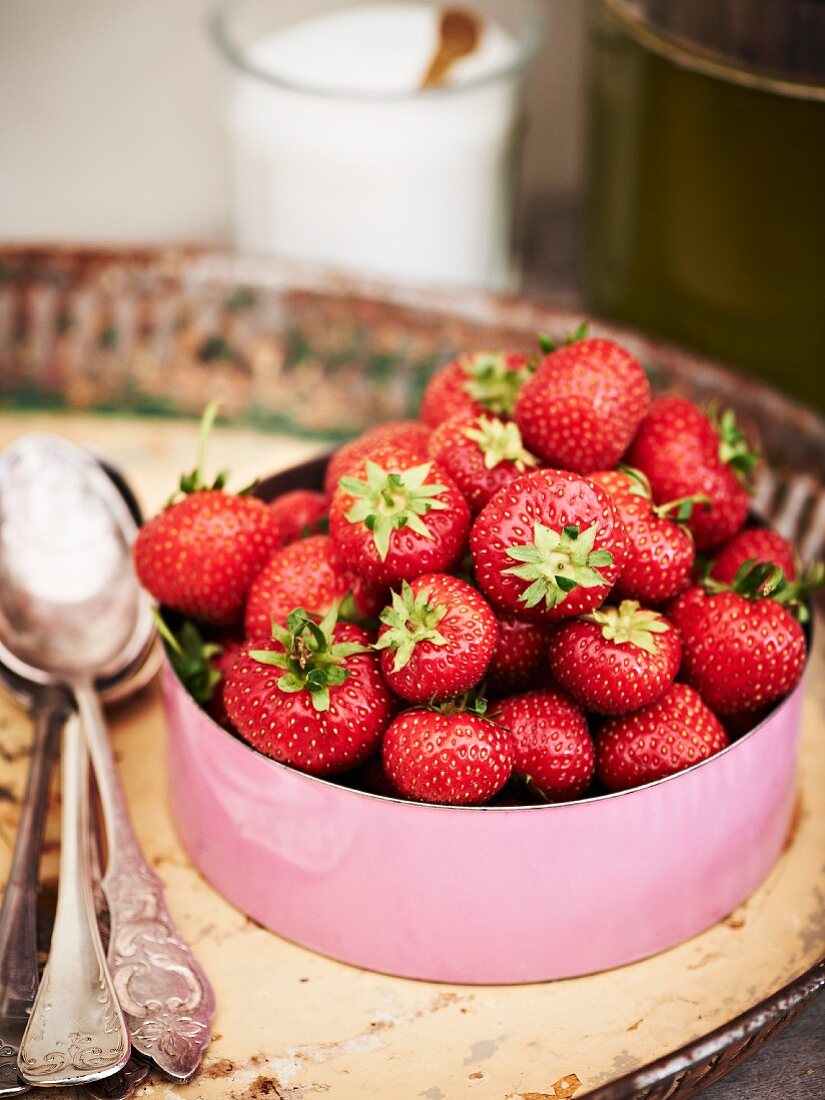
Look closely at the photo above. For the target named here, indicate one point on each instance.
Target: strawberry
(408, 435)
(683, 454)
(308, 574)
(661, 739)
(200, 555)
(551, 742)
(741, 648)
(757, 544)
(451, 756)
(436, 639)
(617, 659)
(583, 405)
(661, 552)
(475, 383)
(300, 513)
(519, 657)
(481, 454)
(311, 696)
(548, 545)
(398, 519)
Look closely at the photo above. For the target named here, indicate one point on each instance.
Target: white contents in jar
(340, 160)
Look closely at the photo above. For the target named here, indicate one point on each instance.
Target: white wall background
(110, 123)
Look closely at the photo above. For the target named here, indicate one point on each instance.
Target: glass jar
(339, 158)
(705, 196)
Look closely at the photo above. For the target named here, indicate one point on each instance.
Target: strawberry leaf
(491, 382)
(192, 658)
(629, 624)
(410, 620)
(734, 449)
(387, 501)
(557, 562)
(312, 660)
(499, 441)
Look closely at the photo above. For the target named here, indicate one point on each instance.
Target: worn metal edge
(690, 1069)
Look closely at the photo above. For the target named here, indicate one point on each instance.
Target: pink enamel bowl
(478, 895)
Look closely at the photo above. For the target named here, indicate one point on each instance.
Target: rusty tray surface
(291, 1022)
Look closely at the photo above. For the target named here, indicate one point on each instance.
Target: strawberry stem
(734, 449)
(762, 580)
(500, 441)
(386, 502)
(311, 660)
(491, 382)
(556, 562)
(639, 486)
(629, 624)
(682, 506)
(410, 620)
(547, 344)
(194, 482)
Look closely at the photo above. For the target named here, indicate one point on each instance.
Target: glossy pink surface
(480, 895)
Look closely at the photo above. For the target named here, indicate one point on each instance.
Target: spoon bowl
(70, 604)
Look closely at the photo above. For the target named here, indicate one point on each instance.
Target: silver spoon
(18, 933)
(49, 708)
(71, 611)
(76, 986)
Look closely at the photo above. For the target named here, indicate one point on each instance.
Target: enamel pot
(479, 895)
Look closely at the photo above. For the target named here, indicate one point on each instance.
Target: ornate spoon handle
(165, 996)
(76, 1032)
(18, 939)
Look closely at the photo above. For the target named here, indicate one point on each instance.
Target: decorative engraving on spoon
(76, 1031)
(144, 946)
(18, 946)
(165, 996)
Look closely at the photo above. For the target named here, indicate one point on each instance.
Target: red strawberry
(481, 454)
(620, 659)
(312, 696)
(666, 737)
(551, 742)
(661, 552)
(683, 454)
(223, 664)
(519, 657)
(300, 513)
(308, 574)
(454, 757)
(549, 545)
(408, 435)
(583, 405)
(200, 555)
(398, 519)
(740, 649)
(437, 638)
(475, 383)
(757, 544)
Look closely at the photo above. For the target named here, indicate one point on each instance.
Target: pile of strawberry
(501, 600)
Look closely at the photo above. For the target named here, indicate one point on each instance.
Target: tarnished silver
(121, 1085)
(49, 708)
(76, 1032)
(18, 938)
(77, 628)
(165, 996)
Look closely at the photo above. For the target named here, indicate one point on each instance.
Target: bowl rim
(487, 808)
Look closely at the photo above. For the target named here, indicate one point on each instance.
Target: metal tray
(292, 1022)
